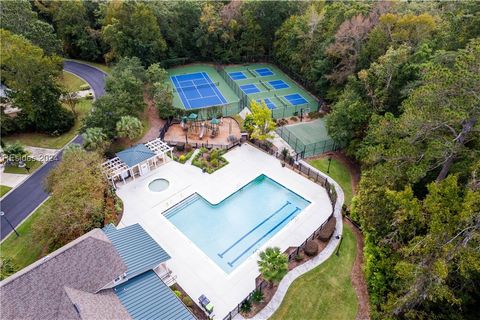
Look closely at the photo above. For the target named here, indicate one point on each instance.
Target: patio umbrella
(192, 116)
(215, 121)
(184, 119)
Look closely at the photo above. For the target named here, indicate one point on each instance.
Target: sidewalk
(11, 179)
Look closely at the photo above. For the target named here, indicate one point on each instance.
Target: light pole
(329, 161)
(2, 214)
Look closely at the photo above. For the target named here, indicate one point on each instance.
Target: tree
(129, 127)
(259, 123)
(31, 75)
(79, 199)
(71, 100)
(19, 18)
(131, 30)
(95, 139)
(273, 265)
(15, 152)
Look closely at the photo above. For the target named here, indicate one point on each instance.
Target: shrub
(214, 154)
(187, 301)
(214, 162)
(298, 257)
(89, 96)
(188, 147)
(311, 248)
(84, 87)
(257, 296)
(182, 159)
(294, 118)
(177, 293)
(246, 306)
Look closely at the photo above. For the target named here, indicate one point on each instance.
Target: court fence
(317, 178)
(244, 100)
(307, 150)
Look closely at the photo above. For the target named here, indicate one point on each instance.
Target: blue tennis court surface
(278, 84)
(264, 72)
(295, 99)
(268, 102)
(196, 90)
(249, 88)
(237, 75)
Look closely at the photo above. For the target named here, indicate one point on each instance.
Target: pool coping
(311, 264)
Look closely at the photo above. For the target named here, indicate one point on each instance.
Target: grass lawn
(100, 66)
(339, 173)
(325, 292)
(32, 164)
(4, 190)
(24, 250)
(71, 82)
(54, 142)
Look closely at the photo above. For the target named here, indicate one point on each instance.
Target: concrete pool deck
(195, 271)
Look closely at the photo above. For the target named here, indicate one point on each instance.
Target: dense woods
(401, 83)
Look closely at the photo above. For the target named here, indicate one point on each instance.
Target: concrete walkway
(277, 299)
(189, 161)
(11, 179)
(42, 154)
(281, 144)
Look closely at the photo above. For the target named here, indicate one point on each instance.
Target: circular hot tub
(158, 185)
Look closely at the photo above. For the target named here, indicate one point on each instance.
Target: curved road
(21, 201)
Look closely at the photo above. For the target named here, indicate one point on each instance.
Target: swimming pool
(230, 231)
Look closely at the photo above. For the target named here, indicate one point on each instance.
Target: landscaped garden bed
(183, 153)
(210, 160)
(187, 301)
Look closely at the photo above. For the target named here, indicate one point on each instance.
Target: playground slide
(202, 132)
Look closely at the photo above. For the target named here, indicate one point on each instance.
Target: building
(137, 161)
(107, 273)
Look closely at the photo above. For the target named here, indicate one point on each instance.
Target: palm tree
(94, 139)
(273, 265)
(129, 127)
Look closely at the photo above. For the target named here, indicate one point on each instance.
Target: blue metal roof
(147, 297)
(134, 155)
(138, 250)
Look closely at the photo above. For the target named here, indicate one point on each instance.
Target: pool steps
(182, 204)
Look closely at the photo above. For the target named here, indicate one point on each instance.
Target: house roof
(147, 297)
(137, 248)
(86, 264)
(135, 155)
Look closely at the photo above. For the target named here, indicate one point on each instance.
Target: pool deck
(195, 271)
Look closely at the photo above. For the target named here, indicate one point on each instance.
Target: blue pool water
(230, 231)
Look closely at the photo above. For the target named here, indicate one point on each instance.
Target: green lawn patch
(100, 66)
(339, 173)
(71, 82)
(31, 163)
(42, 140)
(325, 292)
(4, 190)
(24, 250)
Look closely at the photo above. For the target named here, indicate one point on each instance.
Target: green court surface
(266, 82)
(232, 106)
(310, 138)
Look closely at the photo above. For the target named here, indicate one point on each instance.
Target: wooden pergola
(137, 161)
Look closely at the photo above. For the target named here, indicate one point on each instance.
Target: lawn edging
(293, 274)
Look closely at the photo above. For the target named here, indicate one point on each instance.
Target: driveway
(21, 201)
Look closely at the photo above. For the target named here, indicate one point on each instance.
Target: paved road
(19, 203)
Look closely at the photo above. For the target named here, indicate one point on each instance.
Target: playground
(193, 130)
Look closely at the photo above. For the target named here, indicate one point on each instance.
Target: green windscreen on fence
(308, 138)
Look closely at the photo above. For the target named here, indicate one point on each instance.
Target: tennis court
(200, 87)
(265, 82)
(310, 138)
(197, 90)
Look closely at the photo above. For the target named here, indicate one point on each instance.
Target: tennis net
(196, 86)
(252, 73)
(265, 85)
(282, 101)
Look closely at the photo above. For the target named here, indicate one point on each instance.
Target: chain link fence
(306, 150)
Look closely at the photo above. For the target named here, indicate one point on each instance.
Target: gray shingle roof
(136, 154)
(86, 264)
(137, 249)
(147, 297)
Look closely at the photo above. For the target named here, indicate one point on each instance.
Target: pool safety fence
(317, 178)
(307, 150)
